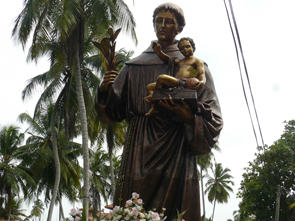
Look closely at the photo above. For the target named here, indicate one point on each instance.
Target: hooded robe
(159, 156)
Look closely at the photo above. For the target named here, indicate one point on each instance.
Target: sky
(267, 36)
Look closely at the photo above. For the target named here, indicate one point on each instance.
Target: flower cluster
(134, 211)
(75, 215)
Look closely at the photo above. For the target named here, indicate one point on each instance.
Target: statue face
(166, 27)
(185, 48)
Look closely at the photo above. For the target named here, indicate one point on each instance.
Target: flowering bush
(134, 211)
(75, 215)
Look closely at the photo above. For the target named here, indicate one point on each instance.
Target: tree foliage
(13, 176)
(219, 186)
(275, 166)
(37, 155)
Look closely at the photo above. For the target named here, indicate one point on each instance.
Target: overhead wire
(246, 71)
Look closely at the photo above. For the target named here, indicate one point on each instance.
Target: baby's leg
(150, 90)
(152, 110)
(166, 81)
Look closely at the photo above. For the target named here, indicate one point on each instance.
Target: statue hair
(173, 8)
(191, 41)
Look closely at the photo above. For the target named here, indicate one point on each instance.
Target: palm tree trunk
(110, 142)
(203, 194)
(83, 118)
(55, 158)
(213, 208)
(61, 211)
(1, 202)
(9, 200)
(99, 206)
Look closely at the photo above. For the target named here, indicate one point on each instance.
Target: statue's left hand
(182, 110)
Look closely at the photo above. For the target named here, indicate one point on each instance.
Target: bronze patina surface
(159, 157)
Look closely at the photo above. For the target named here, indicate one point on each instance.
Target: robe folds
(159, 156)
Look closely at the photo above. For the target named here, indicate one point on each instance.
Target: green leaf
(104, 46)
(111, 32)
(117, 33)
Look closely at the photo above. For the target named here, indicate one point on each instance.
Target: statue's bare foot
(151, 111)
(148, 98)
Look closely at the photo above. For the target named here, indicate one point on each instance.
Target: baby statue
(190, 74)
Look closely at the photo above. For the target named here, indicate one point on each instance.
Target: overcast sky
(268, 38)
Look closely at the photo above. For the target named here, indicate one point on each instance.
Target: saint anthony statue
(160, 150)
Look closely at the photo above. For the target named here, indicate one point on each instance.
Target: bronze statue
(190, 74)
(159, 157)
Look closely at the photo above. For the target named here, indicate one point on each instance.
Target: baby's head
(191, 41)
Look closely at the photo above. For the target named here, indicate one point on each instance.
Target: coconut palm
(113, 134)
(16, 212)
(70, 21)
(37, 209)
(13, 176)
(37, 154)
(59, 80)
(100, 174)
(204, 162)
(218, 186)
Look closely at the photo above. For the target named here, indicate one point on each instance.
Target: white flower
(116, 209)
(129, 202)
(73, 212)
(141, 215)
(134, 211)
(156, 216)
(139, 201)
(126, 210)
(77, 218)
(135, 195)
(139, 208)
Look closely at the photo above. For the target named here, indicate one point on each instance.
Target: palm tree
(37, 209)
(70, 21)
(218, 186)
(59, 80)
(16, 212)
(100, 174)
(113, 135)
(204, 162)
(13, 176)
(38, 155)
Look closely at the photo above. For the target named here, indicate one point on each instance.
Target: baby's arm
(157, 49)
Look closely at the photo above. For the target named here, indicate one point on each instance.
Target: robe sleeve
(111, 106)
(203, 133)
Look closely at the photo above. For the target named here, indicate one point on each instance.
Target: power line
(245, 67)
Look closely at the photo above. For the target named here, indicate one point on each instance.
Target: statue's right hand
(108, 80)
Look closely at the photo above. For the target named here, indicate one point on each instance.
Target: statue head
(168, 21)
(173, 8)
(191, 41)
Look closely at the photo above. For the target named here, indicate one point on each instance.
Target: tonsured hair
(173, 8)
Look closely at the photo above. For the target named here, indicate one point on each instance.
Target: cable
(244, 63)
